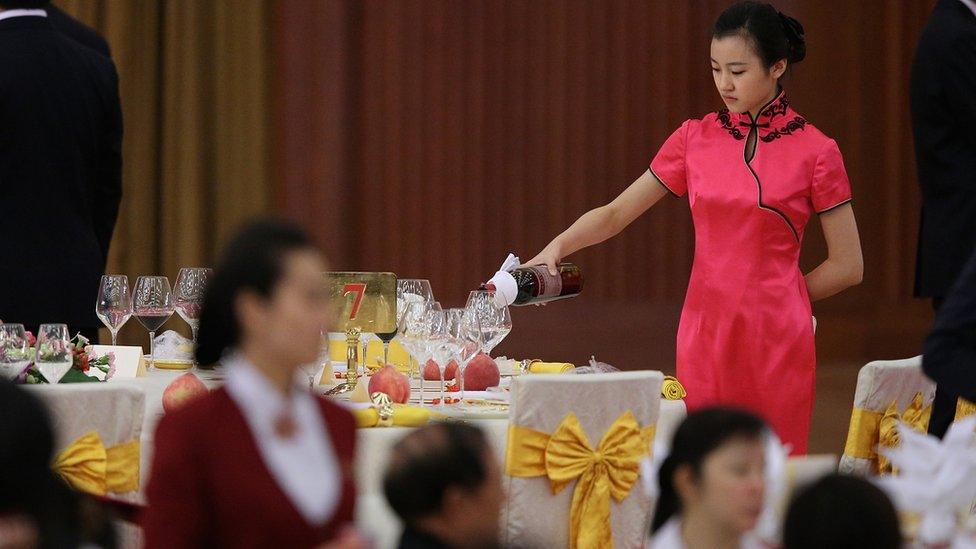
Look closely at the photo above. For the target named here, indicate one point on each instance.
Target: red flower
(84, 362)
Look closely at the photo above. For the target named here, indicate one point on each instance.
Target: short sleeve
(668, 165)
(831, 187)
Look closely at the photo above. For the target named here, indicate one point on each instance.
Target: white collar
(251, 385)
(970, 4)
(7, 14)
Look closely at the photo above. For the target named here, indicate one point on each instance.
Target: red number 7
(358, 288)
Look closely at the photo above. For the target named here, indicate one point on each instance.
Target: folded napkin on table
(671, 389)
(539, 367)
(368, 415)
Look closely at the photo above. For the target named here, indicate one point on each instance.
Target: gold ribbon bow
(671, 389)
(915, 416)
(609, 471)
(88, 466)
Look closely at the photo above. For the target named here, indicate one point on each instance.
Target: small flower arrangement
(86, 365)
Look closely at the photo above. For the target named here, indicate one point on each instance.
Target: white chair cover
(534, 517)
(878, 384)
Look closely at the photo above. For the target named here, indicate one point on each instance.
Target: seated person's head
(715, 471)
(32, 498)
(443, 480)
(841, 511)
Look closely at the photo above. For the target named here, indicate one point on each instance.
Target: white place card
(129, 360)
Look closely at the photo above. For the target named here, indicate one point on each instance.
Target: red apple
(182, 390)
(481, 373)
(433, 373)
(390, 381)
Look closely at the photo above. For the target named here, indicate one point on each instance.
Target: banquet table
(124, 409)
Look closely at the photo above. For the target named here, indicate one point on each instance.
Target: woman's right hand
(550, 256)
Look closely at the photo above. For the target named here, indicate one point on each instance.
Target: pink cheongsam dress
(746, 337)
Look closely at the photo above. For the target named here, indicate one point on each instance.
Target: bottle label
(549, 285)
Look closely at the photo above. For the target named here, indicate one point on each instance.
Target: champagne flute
(54, 357)
(495, 322)
(14, 349)
(114, 305)
(191, 284)
(152, 305)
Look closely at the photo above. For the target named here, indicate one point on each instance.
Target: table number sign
(363, 302)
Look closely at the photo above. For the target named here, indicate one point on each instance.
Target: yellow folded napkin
(539, 367)
(672, 389)
(403, 416)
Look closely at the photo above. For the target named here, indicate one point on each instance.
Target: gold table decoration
(363, 302)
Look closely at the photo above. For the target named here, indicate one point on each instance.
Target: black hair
(24, 4)
(28, 486)
(774, 35)
(428, 461)
(700, 434)
(841, 511)
(253, 260)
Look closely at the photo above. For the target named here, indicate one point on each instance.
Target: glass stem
(115, 334)
(386, 353)
(152, 350)
(442, 386)
(460, 377)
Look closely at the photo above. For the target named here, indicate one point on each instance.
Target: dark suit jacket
(210, 486)
(949, 357)
(76, 30)
(943, 105)
(60, 172)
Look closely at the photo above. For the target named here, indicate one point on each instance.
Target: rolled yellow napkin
(671, 389)
(403, 416)
(539, 367)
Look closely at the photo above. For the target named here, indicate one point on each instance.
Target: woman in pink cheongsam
(754, 173)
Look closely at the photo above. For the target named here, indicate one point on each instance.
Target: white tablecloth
(133, 408)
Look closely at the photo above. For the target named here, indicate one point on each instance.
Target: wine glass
(114, 305)
(14, 349)
(415, 329)
(191, 284)
(465, 328)
(54, 357)
(443, 343)
(387, 337)
(152, 305)
(409, 290)
(495, 322)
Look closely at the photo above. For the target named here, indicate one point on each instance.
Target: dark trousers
(944, 405)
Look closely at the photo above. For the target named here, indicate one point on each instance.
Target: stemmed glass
(416, 325)
(14, 349)
(409, 290)
(191, 284)
(444, 344)
(152, 304)
(114, 305)
(495, 322)
(465, 327)
(53, 358)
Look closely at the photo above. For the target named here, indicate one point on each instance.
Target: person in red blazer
(261, 461)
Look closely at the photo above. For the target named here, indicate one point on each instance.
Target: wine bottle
(534, 285)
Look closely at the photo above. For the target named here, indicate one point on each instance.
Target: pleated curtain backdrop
(194, 85)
